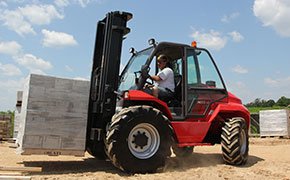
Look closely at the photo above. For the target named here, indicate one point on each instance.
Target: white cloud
(21, 19)
(12, 85)
(229, 18)
(40, 14)
(239, 69)
(10, 48)
(275, 14)
(212, 40)
(241, 90)
(84, 3)
(277, 87)
(279, 82)
(15, 21)
(33, 63)
(3, 4)
(17, 1)
(8, 89)
(9, 70)
(271, 82)
(236, 36)
(61, 3)
(57, 39)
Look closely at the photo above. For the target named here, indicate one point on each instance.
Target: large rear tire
(235, 141)
(138, 139)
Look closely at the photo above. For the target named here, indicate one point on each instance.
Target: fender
(140, 96)
(232, 108)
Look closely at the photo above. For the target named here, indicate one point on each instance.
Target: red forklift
(136, 130)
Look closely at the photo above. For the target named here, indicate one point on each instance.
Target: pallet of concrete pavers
(275, 123)
(5, 126)
(53, 116)
(4, 129)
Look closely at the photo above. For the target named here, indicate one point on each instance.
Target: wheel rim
(243, 142)
(143, 141)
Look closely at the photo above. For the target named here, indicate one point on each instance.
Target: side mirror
(133, 51)
(152, 42)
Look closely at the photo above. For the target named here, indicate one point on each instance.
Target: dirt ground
(269, 158)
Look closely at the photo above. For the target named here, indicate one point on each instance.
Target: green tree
(283, 101)
(257, 102)
(270, 103)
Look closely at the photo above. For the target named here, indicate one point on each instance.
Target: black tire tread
(121, 120)
(230, 141)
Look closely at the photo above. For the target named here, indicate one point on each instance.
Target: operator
(164, 80)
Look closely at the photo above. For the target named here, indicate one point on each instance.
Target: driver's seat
(175, 99)
(178, 83)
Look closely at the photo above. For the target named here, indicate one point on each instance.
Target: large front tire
(138, 139)
(235, 141)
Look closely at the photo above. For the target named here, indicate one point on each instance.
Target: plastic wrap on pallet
(17, 114)
(53, 116)
(274, 123)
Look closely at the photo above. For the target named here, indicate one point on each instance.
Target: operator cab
(198, 83)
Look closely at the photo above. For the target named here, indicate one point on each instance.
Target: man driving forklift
(164, 85)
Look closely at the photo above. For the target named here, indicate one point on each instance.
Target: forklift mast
(104, 77)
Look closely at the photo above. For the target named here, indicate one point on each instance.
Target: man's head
(162, 61)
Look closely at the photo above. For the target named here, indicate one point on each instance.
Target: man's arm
(156, 78)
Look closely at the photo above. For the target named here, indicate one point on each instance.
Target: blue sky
(249, 39)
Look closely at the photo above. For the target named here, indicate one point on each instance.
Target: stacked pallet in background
(5, 126)
(17, 114)
(53, 116)
(275, 123)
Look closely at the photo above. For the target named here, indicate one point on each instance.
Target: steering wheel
(150, 83)
(144, 74)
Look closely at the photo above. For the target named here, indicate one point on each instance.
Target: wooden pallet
(14, 177)
(20, 169)
(281, 137)
(11, 173)
(54, 152)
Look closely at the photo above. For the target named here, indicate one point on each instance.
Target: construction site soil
(269, 158)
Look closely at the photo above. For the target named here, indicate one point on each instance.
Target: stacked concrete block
(53, 116)
(275, 123)
(17, 114)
